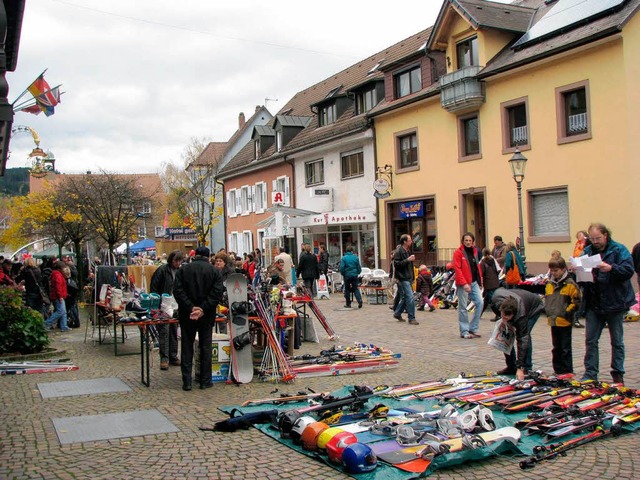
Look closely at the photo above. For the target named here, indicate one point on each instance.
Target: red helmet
(338, 443)
(327, 435)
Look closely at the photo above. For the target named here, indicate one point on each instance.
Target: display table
(374, 295)
(146, 341)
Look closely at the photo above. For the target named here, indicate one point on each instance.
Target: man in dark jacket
(607, 300)
(308, 269)
(162, 282)
(198, 289)
(323, 260)
(403, 271)
(520, 310)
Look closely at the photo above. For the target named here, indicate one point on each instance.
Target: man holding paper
(608, 297)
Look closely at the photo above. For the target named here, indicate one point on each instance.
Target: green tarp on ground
(388, 472)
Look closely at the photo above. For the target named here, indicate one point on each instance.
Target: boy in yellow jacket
(562, 300)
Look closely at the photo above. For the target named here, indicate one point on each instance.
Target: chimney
(241, 120)
(258, 107)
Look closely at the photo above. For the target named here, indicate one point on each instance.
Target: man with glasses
(607, 299)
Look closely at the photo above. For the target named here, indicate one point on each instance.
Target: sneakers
(475, 334)
(506, 371)
(467, 336)
(134, 307)
(359, 304)
(164, 365)
(414, 322)
(347, 306)
(399, 318)
(577, 324)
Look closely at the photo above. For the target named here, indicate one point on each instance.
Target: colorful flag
(42, 92)
(165, 224)
(35, 109)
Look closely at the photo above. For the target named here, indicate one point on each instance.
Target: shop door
(474, 218)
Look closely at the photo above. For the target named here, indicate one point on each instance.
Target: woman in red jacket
(466, 264)
(57, 294)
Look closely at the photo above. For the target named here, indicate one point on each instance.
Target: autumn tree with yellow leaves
(192, 189)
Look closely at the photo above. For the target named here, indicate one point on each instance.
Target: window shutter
(287, 202)
(264, 196)
(550, 213)
(229, 212)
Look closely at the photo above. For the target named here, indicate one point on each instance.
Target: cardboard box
(219, 371)
(220, 351)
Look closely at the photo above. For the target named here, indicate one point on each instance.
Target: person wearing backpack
(514, 268)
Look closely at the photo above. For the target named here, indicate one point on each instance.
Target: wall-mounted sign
(381, 188)
(277, 198)
(412, 209)
(179, 231)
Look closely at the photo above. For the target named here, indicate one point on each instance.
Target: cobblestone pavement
(29, 447)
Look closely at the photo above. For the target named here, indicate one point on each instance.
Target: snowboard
(408, 458)
(241, 357)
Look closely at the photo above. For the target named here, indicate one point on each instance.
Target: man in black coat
(162, 282)
(198, 289)
(308, 269)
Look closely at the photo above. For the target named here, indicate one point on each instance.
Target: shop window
(469, 137)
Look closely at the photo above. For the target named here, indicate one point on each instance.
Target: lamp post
(518, 164)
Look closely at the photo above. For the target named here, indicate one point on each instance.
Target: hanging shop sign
(412, 209)
(383, 185)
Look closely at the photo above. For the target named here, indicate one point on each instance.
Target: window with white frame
(351, 165)
(260, 242)
(247, 241)
(142, 231)
(146, 208)
(260, 197)
(314, 172)
(550, 213)
(231, 203)
(256, 148)
(233, 242)
(159, 231)
(245, 200)
(328, 114)
(281, 184)
(278, 140)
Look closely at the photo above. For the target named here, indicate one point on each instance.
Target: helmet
(298, 427)
(309, 437)
(338, 443)
(327, 435)
(449, 266)
(286, 421)
(359, 458)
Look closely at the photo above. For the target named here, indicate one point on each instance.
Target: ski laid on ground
(26, 370)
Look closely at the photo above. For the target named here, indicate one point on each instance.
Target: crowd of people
(491, 280)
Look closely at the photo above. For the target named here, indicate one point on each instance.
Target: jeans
(59, 313)
(594, 326)
(351, 286)
(528, 360)
(475, 295)
(406, 300)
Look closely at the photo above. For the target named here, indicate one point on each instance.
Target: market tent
(143, 246)
(53, 252)
(122, 248)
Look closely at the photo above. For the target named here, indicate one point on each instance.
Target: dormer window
(257, 149)
(408, 82)
(278, 140)
(366, 100)
(328, 114)
(467, 52)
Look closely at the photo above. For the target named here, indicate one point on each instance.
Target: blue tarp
(143, 246)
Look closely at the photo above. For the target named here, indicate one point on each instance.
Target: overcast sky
(142, 77)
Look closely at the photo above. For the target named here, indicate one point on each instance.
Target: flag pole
(34, 98)
(27, 89)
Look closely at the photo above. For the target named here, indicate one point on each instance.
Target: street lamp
(518, 163)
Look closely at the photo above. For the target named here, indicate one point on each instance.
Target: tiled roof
(565, 40)
(300, 104)
(500, 16)
(211, 155)
(259, 111)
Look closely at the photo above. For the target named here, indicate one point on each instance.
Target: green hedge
(21, 328)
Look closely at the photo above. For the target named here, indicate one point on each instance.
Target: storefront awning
(279, 224)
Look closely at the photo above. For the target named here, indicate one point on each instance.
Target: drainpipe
(375, 169)
(224, 215)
